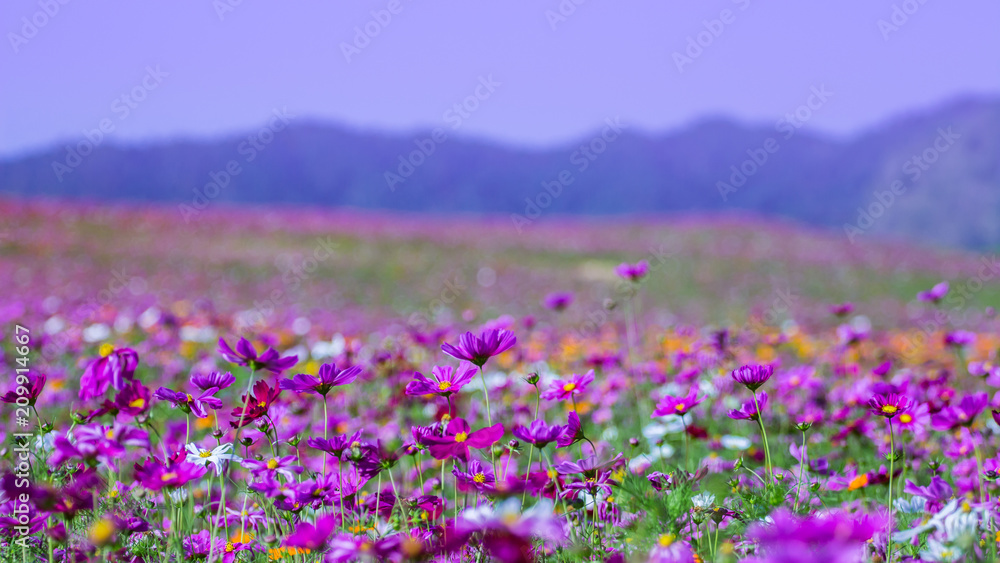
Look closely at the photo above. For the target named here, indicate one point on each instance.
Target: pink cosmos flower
(560, 389)
(458, 438)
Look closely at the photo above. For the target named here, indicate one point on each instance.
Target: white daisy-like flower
(939, 552)
(703, 501)
(215, 457)
(913, 505)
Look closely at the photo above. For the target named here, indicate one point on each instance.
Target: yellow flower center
(106, 350)
(261, 404)
(444, 385)
(889, 409)
(190, 398)
(109, 434)
(205, 454)
(680, 407)
(137, 403)
(461, 437)
(101, 532)
(666, 540)
(569, 387)
(479, 478)
(168, 476)
(230, 547)
(905, 418)
(272, 463)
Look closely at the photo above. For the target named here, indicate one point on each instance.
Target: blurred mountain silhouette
(932, 177)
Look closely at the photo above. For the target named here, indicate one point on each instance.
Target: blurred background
(423, 163)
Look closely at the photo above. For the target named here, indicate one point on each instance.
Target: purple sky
(606, 59)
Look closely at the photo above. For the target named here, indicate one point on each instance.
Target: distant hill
(944, 166)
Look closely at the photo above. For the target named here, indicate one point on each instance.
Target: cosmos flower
(477, 475)
(560, 389)
(133, 399)
(477, 350)
(447, 380)
(114, 368)
(246, 355)
(752, 376)
(558, 301)
(188, 403)
(312, 536)
(215, 457)
(34, 383)
(669, 405)
(632, 272)
(458, 438)
(962, 414)
(842, 310)
(935, 294)
(280, 465)
(215, 379)
(329, 377)
(749, 409)
(572, 432)
(538, 433)
(155, 476)
(256, 405)
(336, 445)
(889, 405)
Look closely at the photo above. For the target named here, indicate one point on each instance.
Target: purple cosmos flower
(558, 301)
(447, 380)
(509, 531)
(334, 446)
(133, 399)
(34, 383)
(560, 390)
(632, 272)
(329, 377)
(538, 433)
(590, 466)
(155, 476)
(114, 369)
(572, 432)
(592, 486)
(246, 355)
(477, 475)
(889, 405)
(749, 409)
(478, 349)
(752, 376)
(458, 438)
(962, 414)
(310, 536)
(669, 405)
(842, 310)
(830, 537)
(936, 293)
(959, 338)
(215, 379)
(190, 403)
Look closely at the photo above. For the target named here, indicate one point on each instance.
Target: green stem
(763, 433)
(892, 459)
(489, 416)
(798, 483)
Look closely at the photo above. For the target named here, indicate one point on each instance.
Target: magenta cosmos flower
(539, 433)
(34, 385)
(246, 355)
(560, 390)
(115, 368)
(749, 410)
(478, 349)
(447, 380)
(633, 272)
(189, 403)
(752, 376)
(458, 438)
(558, 301)
(669, 405)
(328, 378)
(889, 405)
(936, 293)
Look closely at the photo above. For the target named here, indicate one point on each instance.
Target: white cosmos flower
(954, 518)
(735, 442)
(703, 501)
(939, 552)
(914, 505)
(214, 457)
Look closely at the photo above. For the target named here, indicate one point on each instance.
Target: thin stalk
(892, 458)
(763, 433)
(798, 483)
(489, 416)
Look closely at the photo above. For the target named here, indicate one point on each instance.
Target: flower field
(291, 385)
